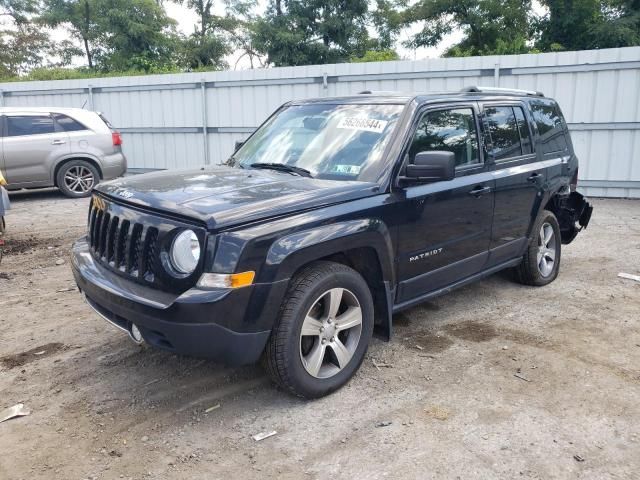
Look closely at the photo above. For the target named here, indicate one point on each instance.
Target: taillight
(117, 138)
(573, 184)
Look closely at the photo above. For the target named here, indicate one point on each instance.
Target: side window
(68, 124)
(18, 126)
(503, 129)
(523, 128)
(451, 130)
(550, 125)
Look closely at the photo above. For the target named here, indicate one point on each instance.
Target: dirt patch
(428, 341)
(109, 409)
(428, 307)
(525, 338)
(437, 412)
(472, 331)
(25, 245)
(20, 359)
(400, 320)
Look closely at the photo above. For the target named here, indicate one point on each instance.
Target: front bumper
(216, 324)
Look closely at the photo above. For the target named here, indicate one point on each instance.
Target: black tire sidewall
(75, 163)
(306, 384)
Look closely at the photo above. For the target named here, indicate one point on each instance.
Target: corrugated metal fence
(187, 120)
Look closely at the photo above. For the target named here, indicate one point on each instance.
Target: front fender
(290, 252)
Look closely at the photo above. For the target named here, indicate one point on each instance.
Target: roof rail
(379, 92)
(505, 91)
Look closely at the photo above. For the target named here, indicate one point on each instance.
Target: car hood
(225, 196)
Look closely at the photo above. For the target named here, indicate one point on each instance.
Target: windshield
(335, 142)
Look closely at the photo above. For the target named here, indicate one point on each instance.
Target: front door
(519, 178)
(31, 146)
(443, 235)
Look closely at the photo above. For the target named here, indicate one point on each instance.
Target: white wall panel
(161, 116)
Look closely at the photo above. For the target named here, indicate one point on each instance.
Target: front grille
(126, 246)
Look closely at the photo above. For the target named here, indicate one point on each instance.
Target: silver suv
(69, 148)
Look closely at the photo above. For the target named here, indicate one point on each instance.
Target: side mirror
(432, 166)
(238, 144)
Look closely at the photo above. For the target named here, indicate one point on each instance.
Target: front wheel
(541, 261)
(323, 332)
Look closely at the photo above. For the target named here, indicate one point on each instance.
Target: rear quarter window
(551, 125)
(68, 124)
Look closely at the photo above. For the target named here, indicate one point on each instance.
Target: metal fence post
(1, 98)
(91, 98)
(205, 122)
(496, 75)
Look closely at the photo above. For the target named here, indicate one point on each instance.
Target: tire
(541, 261)
(81, 170)
(291, 357)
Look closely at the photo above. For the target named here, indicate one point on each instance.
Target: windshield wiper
(303, 172)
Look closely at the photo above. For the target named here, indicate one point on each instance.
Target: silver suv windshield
(334, 142)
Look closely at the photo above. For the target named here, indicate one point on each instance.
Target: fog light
(135, 333)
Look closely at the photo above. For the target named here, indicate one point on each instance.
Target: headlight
(185, 252)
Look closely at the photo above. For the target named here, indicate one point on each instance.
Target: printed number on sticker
(363, 123)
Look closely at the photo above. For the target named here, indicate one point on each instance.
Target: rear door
(32, 144)
(519, 177)
(444, 227)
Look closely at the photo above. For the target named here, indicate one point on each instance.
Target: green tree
(22, 44)
(306, 32)
(377, 56)
(116, 34)
(137, 35)
(217, 35)
(586, 24)
(79, 18)
(488, 26)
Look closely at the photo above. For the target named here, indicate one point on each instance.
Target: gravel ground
(495, 380)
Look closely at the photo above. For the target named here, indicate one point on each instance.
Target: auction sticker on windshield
(363, 123)
(349, 169)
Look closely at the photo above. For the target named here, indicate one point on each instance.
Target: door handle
(480, 190)
(534, 177)
(58, 142)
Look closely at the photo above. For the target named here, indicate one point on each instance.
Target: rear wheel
(77, 178)
(323, 332)
(541, 262)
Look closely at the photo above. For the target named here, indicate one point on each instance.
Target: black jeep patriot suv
(335, 214)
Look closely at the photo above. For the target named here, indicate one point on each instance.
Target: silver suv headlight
(185, 252)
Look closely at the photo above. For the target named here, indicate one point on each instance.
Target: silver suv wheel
(546, 254)
(330, 333)
(79, 179)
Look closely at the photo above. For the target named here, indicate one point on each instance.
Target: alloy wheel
(330, 333)
(546, 255)
(79, 179)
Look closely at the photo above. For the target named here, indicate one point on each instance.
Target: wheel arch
(363, 245)
(85, 158)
